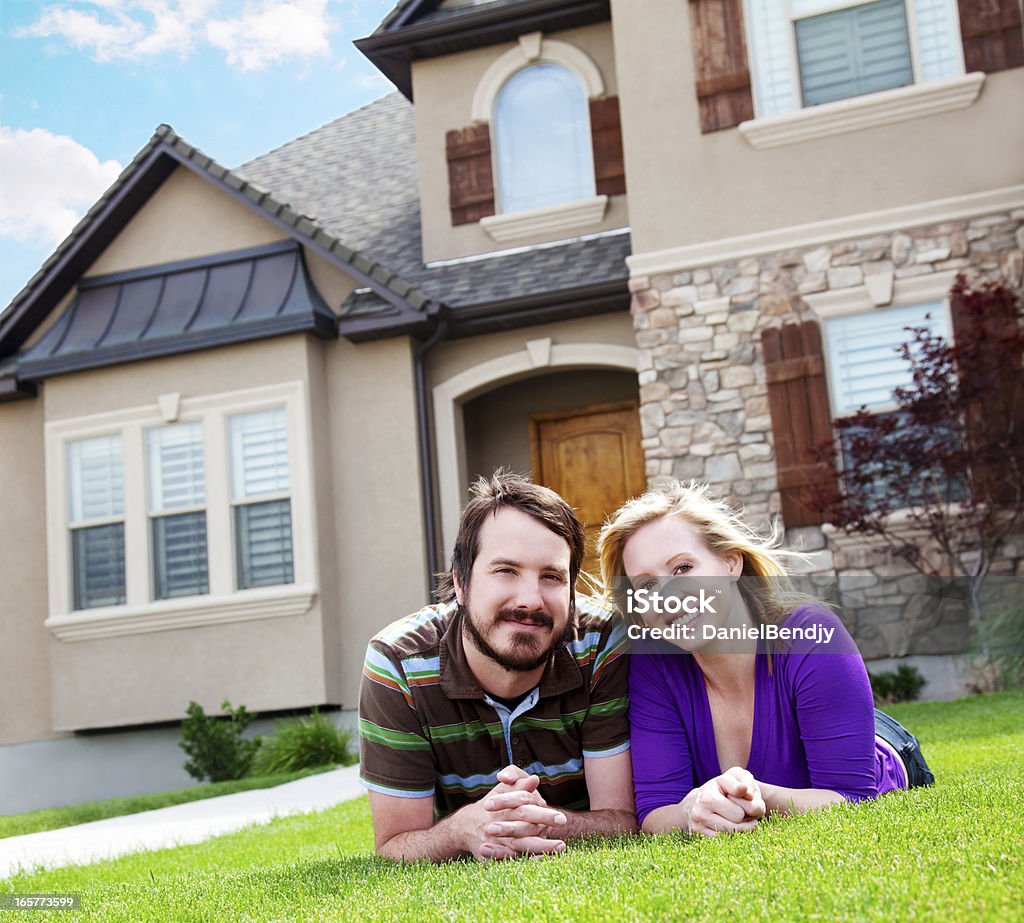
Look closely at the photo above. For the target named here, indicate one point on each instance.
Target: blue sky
(83, 84)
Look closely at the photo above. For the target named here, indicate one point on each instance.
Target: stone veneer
(704, 404)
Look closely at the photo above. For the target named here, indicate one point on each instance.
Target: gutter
(423, 347)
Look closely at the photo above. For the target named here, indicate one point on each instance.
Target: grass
(952, 852)
(86, 811)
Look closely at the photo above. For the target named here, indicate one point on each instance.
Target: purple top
(814, 723)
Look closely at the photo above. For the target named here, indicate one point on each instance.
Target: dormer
(517, 120)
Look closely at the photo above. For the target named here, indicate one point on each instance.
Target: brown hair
(504, 489)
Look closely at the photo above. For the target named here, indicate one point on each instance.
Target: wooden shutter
(801, 421)
(995, 418)
(606, 137)
(470, 181)
(720, 63)
(991, 34)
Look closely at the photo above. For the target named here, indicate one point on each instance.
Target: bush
(903, 685)
(303, 743)
(215, 746)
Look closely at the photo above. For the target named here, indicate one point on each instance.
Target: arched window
(542, 139)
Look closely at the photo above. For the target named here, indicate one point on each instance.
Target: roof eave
(393, 50)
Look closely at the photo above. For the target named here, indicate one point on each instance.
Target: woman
(728, 726)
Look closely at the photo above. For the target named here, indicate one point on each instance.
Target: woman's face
(672, 548)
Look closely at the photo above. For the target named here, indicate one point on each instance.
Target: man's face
(517, 601)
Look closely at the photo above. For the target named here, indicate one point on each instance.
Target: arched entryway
(568, 422)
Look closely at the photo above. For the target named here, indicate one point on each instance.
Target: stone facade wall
(704, 403)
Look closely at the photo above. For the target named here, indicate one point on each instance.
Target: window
(96, 520)
(542, 139)
(809, 52)
(865, 368)
(259, 496)
(184, 513)
(178, 519)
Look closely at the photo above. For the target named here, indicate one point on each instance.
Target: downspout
(426, 455)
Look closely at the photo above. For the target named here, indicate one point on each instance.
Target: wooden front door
(593, 458)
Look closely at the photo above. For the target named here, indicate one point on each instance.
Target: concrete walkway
(177, 825)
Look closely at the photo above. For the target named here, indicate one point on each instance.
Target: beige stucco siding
(685, 187)
(379, 567)
(443, 89)
(455, 356)
(24, 680)
(187, 217)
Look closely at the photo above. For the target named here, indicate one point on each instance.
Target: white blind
(95, 475)
(938, 38)
(176, 467)
(259, 454)
(769, 42)
(863, 363)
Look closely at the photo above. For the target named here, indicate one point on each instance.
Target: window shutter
(798, 401)
(606, 134)
(995, 418)
(470, 181)
(991, 34)
(720, 63)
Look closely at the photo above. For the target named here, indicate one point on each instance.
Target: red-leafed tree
(950, 458)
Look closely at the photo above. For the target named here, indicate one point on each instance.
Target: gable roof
(357, 178)
(164, 153)
(417, 29)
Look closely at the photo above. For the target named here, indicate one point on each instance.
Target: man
(494, 724)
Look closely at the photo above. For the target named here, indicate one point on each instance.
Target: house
(240, 408)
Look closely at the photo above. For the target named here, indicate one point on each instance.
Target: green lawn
(86, 811)
(950, 853)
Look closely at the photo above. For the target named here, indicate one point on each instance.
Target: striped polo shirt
(427, 729)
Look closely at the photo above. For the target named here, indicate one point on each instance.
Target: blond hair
(767, 589)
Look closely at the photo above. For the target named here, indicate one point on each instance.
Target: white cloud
(272, 31)
(251, 34)
(47, 182)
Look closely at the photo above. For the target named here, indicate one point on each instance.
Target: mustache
(530, 618)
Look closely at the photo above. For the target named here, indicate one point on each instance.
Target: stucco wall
(24, 680)
(182, 221)
(379, 567)
(443, 89)
(685, 187)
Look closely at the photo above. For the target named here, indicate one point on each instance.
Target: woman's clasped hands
(728, 803)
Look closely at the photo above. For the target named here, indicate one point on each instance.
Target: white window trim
(858, 299)
(534, 49)
(860, 112)
(548, 219)
(141, 614)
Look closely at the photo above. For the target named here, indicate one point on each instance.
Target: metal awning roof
(179, 307)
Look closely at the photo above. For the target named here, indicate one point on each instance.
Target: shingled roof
(356, 178)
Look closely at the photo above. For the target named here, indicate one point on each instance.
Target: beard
(526, 652)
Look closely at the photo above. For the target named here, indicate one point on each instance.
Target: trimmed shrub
(214, 744)
(902, 685)
(303, 743)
